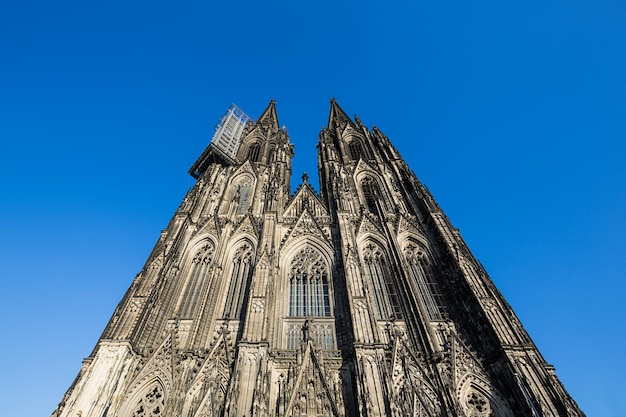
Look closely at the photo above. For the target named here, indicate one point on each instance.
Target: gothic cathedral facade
(359, 300)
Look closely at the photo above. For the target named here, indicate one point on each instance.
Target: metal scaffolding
(229, 129)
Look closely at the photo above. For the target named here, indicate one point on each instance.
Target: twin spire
(337, 116)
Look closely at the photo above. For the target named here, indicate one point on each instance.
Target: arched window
(372, 195)
(382, 289)
(270, 153)
(356, 149)
(308, 285)
(198, 281)
(239, 282)
(152, 403)
(242, 195)
(423, 276)
(254, 153)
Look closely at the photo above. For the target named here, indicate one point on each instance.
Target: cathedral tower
(361, 300)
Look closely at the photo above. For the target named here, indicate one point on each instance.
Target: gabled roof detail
(351, 130)
(305, 226)
(245, 226)
(158, 365)
(405, 224)
(363, 165)
(305, 197)
(208, 225)
(246, 167)
(369, 226)
(256, 131)
(411, 388)
(310, 373)
(470, 378)
(211, 380)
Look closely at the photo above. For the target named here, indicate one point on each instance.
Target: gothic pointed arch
(371, 195)
(149, 401)
(356, 149)
(240, 267)
(371, 190)
(148, 391)
(208, 390)
(421, 272)
(309, 391)
(272, 146)
(241, 190)
(308, 284)
(413, 392)
(198, 279)
(255, 137)
(478, 398)
(382, 289)
(308, 302)
(254, 152)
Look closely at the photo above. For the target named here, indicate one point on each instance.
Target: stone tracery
(152, 403)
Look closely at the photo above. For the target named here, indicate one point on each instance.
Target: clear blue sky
(512, 113)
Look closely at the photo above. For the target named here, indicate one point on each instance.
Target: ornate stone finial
(305, 178)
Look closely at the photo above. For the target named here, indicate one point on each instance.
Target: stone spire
(269, 118)
(337, 117)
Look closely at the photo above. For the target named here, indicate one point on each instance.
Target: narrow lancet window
(428, 290)
(270, 154)
(254, 153)
(197, 283)
(382, 289)
(242, 196)
(356, 149)
(239, 282)
(372, 195)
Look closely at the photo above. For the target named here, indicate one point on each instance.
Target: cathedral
(359, 300)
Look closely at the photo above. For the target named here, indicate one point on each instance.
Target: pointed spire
(269, 118)
(337, 115)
